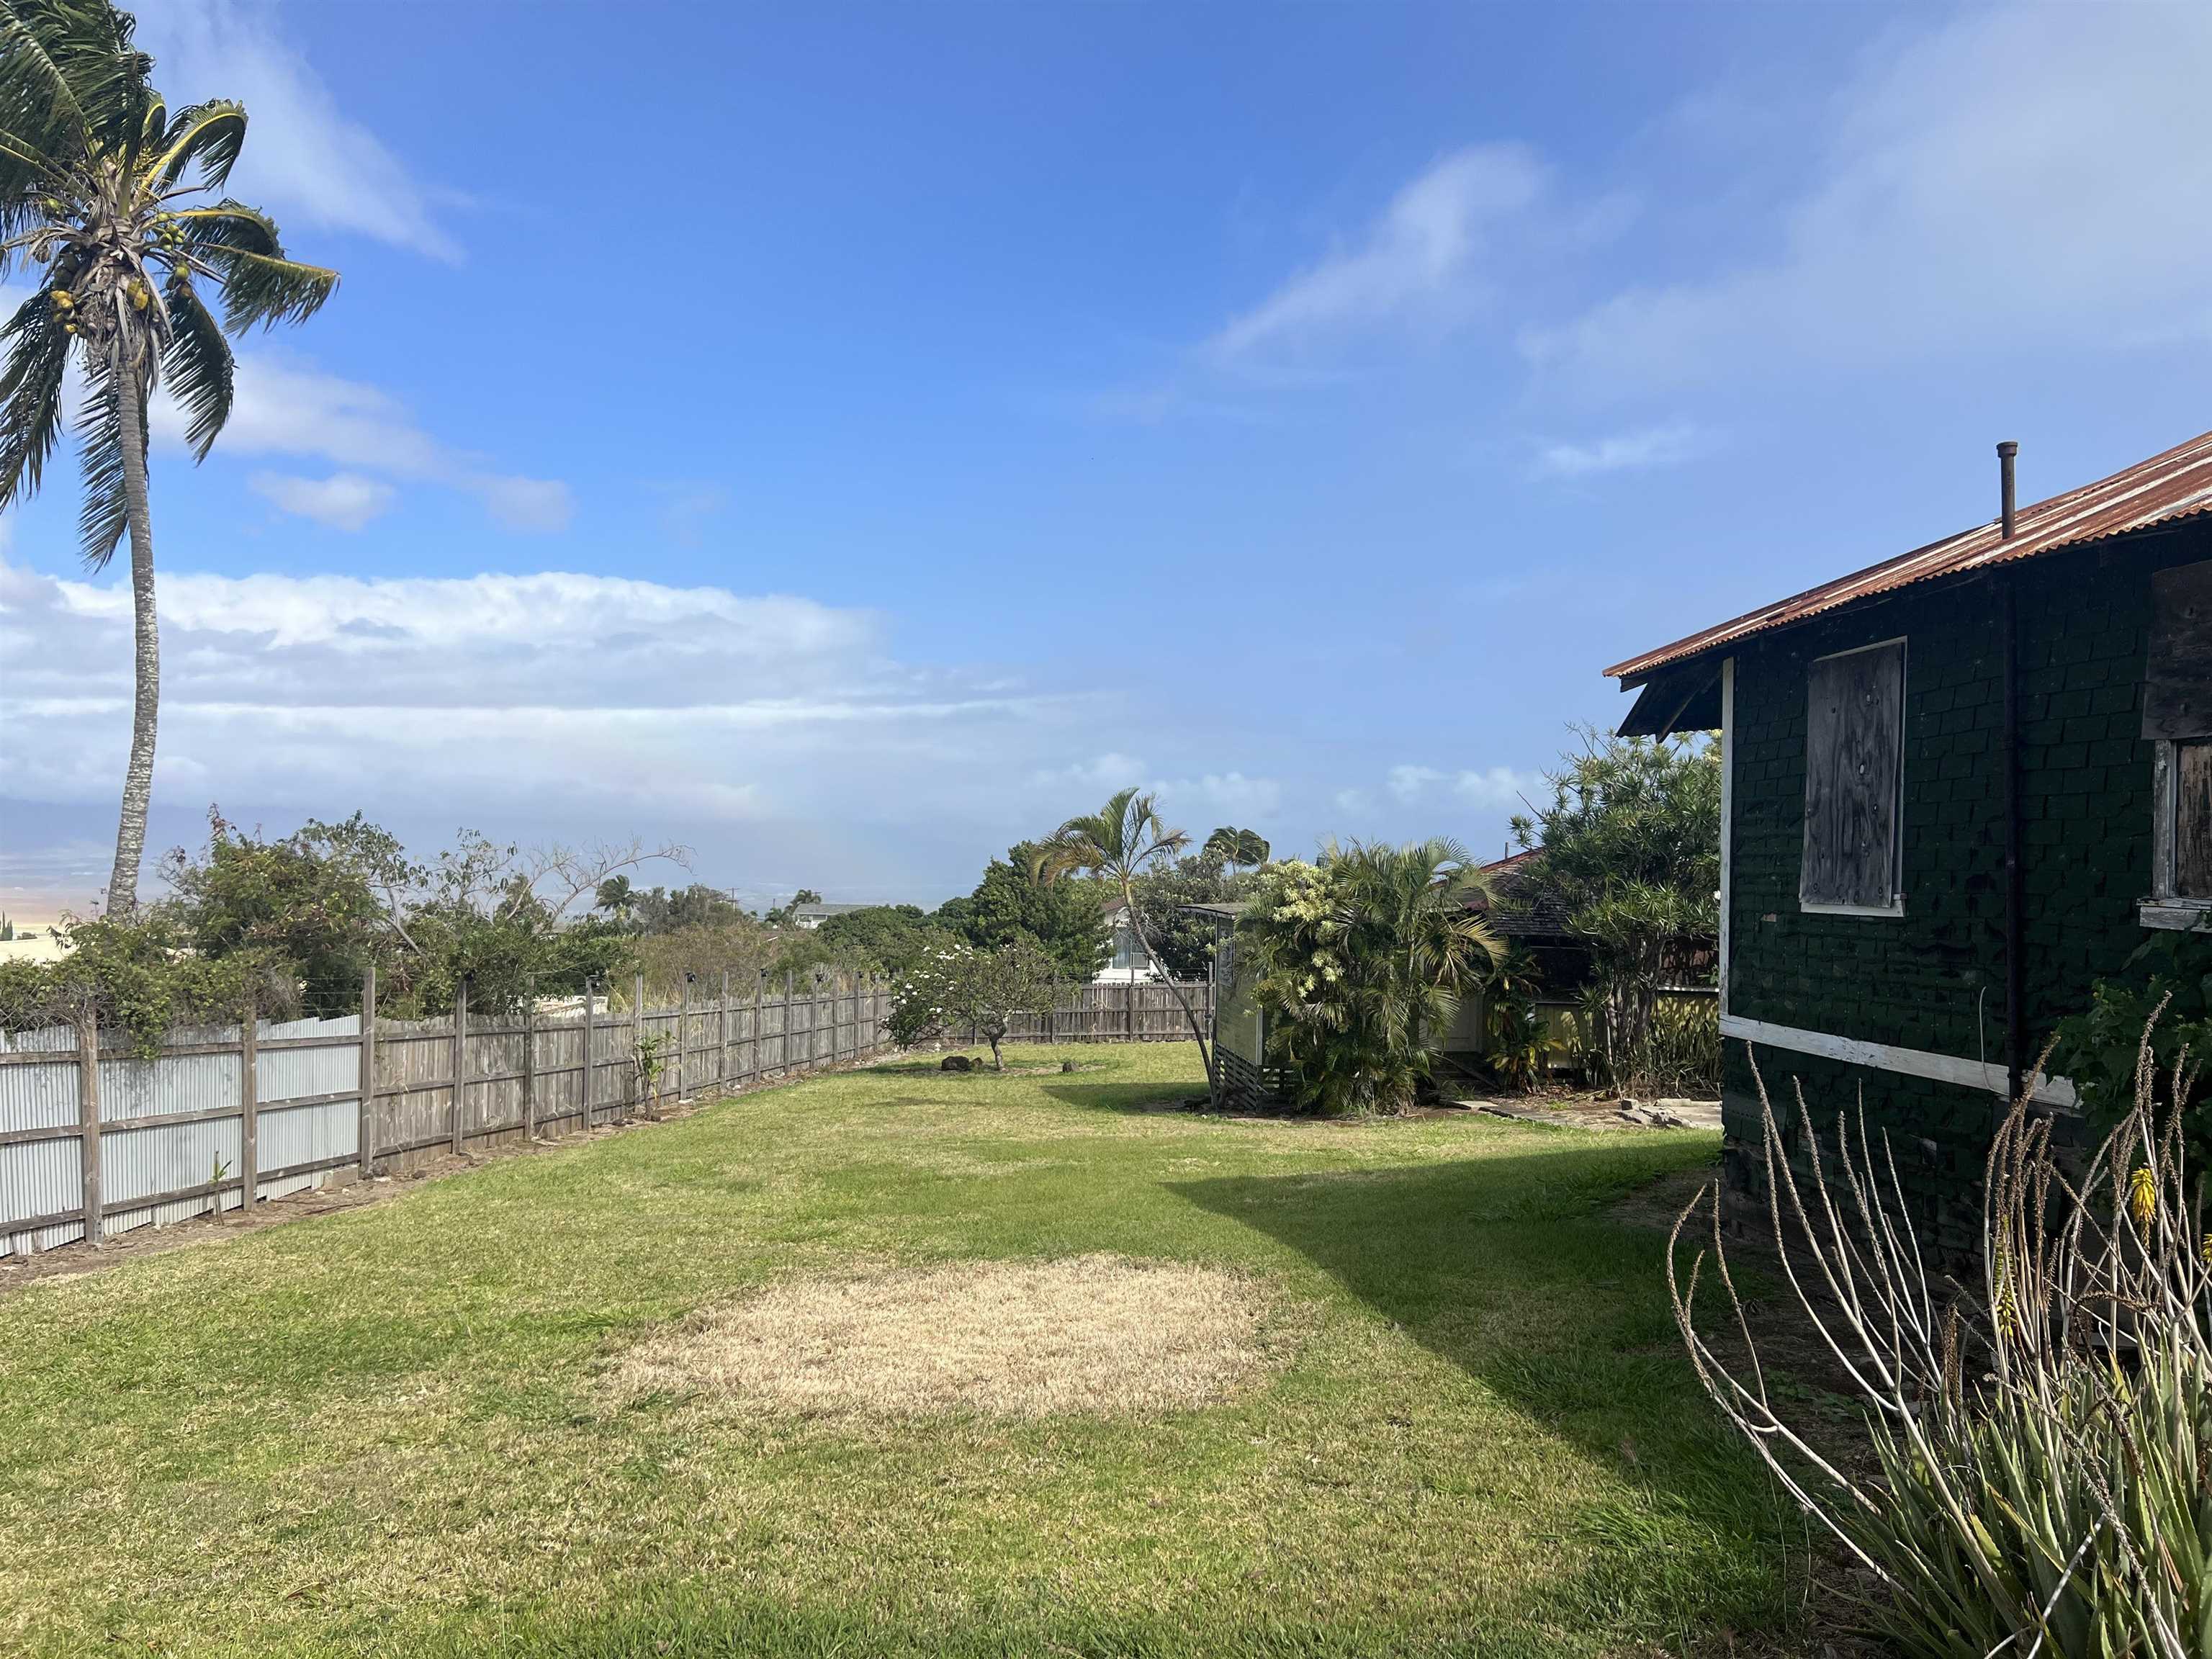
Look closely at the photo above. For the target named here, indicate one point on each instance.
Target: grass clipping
(1096, 1335)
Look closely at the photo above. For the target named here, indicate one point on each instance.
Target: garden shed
(1958, 788)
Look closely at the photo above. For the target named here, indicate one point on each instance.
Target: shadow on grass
(1512, 1267)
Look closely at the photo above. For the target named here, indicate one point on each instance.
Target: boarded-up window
(2177, 690)
(1854, 744)
(2178, 715)
(2193, 820)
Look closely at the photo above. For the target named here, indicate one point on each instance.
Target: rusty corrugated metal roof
(2174, 485)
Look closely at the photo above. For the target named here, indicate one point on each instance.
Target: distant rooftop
(818, 911)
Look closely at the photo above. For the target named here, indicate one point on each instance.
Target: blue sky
(845, 439)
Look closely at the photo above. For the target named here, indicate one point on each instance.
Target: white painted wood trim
(1894, 908)
(1727, 811)
(1908, 1062)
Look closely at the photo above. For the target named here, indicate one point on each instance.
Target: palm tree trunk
(1205, 1048)
(138, 778)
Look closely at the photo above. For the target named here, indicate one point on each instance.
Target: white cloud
(1624, 452)
(1498, 788)
(1102, 775)
(1410, 783)
(344, 501)
(1992, 183)
(1354, 801)
(304, 161)
(283, 405)
(1426, 250)
(1231, 795)
(533, 694)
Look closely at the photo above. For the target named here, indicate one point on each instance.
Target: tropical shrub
(2097, 1048)
(1361, 962)
(1629, 844)
(957, 988)
(1516, 1030)
(2039, 1447)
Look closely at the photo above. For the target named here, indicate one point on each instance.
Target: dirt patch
(1097, 1334)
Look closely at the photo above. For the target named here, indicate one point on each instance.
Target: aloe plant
(2040, 1479)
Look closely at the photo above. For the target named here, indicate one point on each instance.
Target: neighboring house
(813, 914)
(1534, 923)
(1126, 963)
(1957, 787)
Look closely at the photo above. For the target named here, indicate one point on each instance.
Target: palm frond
(259, 284)
(198, 363)
(210, 136)
(30, 396)
(72, 67)
(106, 514)
(37, 97)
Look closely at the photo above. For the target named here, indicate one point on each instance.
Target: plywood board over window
(1854, 778)
(2178, 717)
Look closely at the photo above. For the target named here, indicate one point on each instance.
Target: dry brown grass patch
(1089, 1334)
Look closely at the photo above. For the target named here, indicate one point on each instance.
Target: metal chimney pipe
(2006, 451)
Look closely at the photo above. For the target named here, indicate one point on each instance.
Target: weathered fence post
(249, 1111)
(830, 989)
(790, 985)
(590, 1069)
(637, 1035)
(856, 1014)
(683, 1037)
(88, 1119)
(530, 1062)
(722, 1036)
(460, 1061)
(1129, 1008)
(760, 994)
(365, 1135)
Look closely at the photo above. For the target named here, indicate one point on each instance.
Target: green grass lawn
(387, 1431)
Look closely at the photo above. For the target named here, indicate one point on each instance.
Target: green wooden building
(1959, 786)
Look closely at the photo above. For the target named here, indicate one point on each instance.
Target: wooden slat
(2193, 820)
(2178, 685)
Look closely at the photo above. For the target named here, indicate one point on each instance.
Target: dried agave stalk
(2043, 1443)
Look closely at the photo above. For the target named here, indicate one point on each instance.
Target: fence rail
(94, 1141)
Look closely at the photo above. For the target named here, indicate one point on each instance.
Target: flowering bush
(957, 988)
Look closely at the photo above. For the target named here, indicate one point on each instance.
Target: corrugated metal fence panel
(289, 1074)
(42, 1096)
(39, 1177)
(292, 1135)
(136, 1163)
(45, 1039)
(173, 1084)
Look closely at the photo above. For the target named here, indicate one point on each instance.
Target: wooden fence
(94, 1141)
(1117, 1013)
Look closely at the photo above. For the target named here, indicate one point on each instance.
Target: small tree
(1630, 845)
(958, 985)
(1119, 844)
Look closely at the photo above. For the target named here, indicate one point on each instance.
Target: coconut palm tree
(1118, 843)
(1238, 848)
(118, 204)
